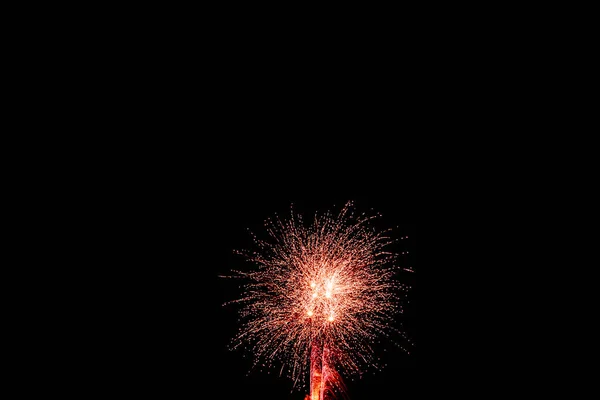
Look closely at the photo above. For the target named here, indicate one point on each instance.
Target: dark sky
(186, 330)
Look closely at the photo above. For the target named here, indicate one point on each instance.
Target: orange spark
(338, 270)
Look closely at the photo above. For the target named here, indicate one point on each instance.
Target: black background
(175, 330)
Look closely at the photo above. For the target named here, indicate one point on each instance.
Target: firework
(319, 296)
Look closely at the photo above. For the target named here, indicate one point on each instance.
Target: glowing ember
(320, 295)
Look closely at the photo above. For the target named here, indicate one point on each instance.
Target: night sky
(185, 330)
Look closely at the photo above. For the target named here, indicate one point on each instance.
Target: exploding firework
(319, 296)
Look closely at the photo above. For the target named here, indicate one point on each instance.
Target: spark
(318, 296)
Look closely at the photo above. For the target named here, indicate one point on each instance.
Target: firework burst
(319, 296)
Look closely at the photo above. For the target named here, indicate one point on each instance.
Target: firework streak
(319, 296)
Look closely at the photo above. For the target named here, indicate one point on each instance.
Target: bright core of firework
(329, 282)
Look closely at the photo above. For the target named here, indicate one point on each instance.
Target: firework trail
(319, 296)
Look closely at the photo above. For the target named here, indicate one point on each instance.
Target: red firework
(319, 296)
